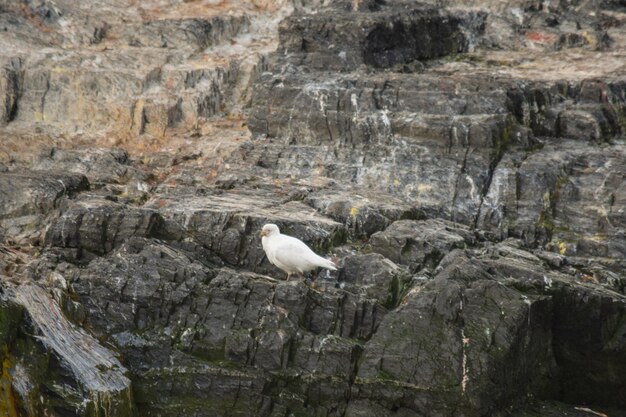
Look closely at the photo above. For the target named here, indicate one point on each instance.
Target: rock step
(361, 212)
(381, 37)
(421, 243)
(97, 226)
(394, 92)
(27, 199)
(199, 389)
(228, 224)
(354, 95)
(26, 192)
(587, 110)
(135, 100)
(382, 127)
(449, 182)
(335, 111)
(195, 32)
(101, 166)
(569, 198)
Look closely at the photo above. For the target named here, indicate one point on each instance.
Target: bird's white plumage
(289, 253)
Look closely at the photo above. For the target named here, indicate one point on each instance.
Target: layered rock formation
(463, 162)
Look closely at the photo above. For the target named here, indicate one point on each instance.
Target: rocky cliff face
(463, 162)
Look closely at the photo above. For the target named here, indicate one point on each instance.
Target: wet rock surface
(462, 162)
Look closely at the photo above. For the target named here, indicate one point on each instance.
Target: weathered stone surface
(100, 166)
(272, 325)
(566, 197)
(362, 214)
(458, 310)
(430, 138)
(380, 37)
(375, 276)
(228, 224)
(462, 162)
(25, 193)
(27, 198)
(197, 33)
(421, 243)
(98, 226)
(9, 89)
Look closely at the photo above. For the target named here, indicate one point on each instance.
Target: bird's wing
(296, 254)
(288, 248)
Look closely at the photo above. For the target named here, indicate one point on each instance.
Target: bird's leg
(288, 276)
(310, 281)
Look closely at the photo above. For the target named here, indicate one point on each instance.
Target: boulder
(421, 243)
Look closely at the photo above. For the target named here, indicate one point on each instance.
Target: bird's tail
(328, 264)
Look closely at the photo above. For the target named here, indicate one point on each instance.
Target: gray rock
(25, 193)
(100, 166)
(373, 37)
(454, 311)
(28, 198)
(97, 226)
(272, 326)
(9, 89)
(229, 225)
(579, 125)
(468, 156)
(375, 276)
(421, 243)
(362, 215)
(196, 32)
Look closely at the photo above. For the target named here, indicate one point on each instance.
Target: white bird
(289, 253)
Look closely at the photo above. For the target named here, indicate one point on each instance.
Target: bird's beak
(262, 233)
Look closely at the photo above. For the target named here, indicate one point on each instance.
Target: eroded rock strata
(463, 162)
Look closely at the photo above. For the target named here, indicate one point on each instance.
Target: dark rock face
(463, 163)
(475, 322)
(228, 224)
(272, 326)
(27, 198)
(99, 226)
(376, 276)
(9, 90)
(593, 362)
(421, 244)
(382, 37)
(100, 166)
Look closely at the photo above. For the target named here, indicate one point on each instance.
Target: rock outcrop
(462, 162)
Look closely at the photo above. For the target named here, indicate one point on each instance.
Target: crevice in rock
(468, 151)
(43, 96)
(501, 145)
